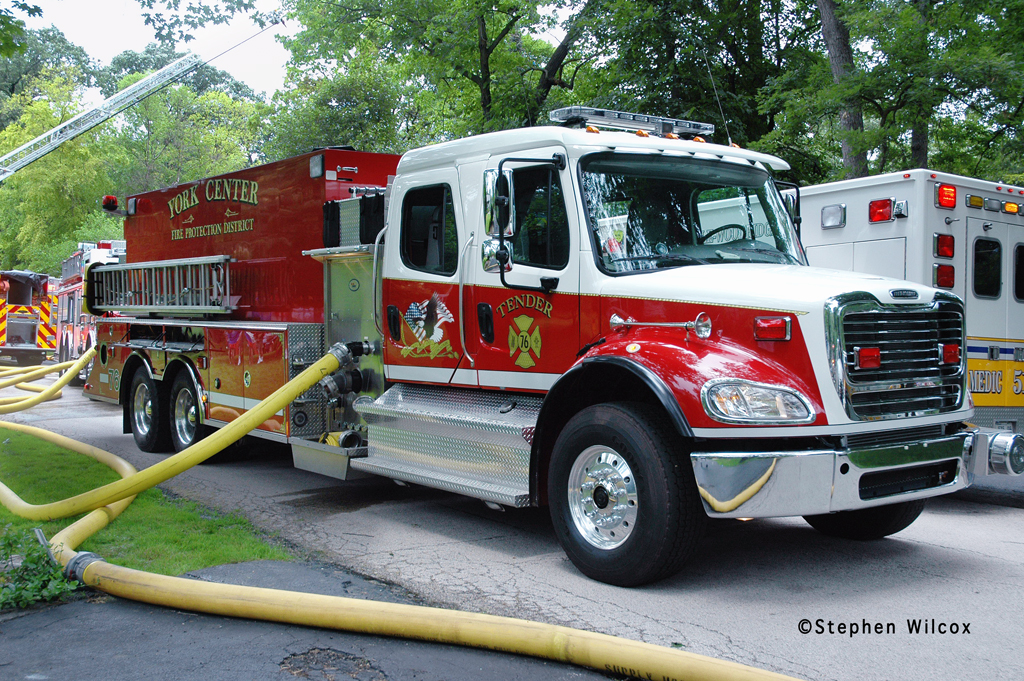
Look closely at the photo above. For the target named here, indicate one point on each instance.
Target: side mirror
(499, 203)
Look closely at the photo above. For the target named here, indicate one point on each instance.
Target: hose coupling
(342, 353)
(341, 383)
(75, 569)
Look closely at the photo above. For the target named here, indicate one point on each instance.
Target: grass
(156, 533)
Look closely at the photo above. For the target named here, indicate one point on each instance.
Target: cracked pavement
(740, 599)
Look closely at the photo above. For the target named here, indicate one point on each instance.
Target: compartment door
(987, 290)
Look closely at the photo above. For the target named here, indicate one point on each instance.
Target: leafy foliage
(11, 27)
(27, 573)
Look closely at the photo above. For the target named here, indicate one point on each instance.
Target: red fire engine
(620, 325)
(27, 332)
(76, 328)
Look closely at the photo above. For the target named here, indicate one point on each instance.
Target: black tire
(147, 414)
(184, 405)
(622, 495)
(868, 523)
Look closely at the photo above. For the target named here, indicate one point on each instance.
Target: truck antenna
(717, 99)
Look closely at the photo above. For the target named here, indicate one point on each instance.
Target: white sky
(106, 28)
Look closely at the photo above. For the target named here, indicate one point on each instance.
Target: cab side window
(430, 240)
(542, 228)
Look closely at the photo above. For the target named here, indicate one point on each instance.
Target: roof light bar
(622, 120)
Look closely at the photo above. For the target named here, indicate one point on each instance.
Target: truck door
(524, 338)
(986, 296)
(421, 278)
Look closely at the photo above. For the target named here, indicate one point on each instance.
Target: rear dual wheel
(622, 495)
(186, 429)
(163, 419)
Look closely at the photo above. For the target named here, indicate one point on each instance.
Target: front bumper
(797, 483)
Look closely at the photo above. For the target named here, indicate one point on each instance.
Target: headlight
(733, 400)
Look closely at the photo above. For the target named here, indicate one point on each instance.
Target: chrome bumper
(771, 484)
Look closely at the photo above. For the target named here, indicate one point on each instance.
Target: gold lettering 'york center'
(526, 302)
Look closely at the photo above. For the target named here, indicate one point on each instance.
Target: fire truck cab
(26, 329)
(618, 324)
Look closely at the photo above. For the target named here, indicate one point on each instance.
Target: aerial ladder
(133, 94)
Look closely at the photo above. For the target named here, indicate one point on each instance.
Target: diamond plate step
(472, 442)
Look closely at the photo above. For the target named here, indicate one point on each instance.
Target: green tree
(476, 65)
(11, 27)
(158, 55)
(177, 135)
(37, 50)
(50, 198)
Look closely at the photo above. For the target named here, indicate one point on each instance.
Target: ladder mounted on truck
(186, 287)
(83, 122)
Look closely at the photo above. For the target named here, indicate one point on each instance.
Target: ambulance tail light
(945, 196)
(772, 328)
(944, 245)
(950, 353)
(867, 358)
(880, 210)
(943, 276)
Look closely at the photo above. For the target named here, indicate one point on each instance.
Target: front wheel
(147, 414)
(623, 498)
(868, 523)
(186, 430)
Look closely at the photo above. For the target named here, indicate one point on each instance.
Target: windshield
(649, 213)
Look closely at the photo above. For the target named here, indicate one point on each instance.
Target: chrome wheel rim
(185, 416)
(602, 497)
(142, 409)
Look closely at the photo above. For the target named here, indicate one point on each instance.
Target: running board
(471, 442)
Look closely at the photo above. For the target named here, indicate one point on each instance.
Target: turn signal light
(772, 328)
(943, 276)
(950, 353)
(945, 196)
(1011, 207)
(945, 245)
(880, 210)
(867, 358)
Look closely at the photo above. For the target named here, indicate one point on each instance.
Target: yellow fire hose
(562, 644)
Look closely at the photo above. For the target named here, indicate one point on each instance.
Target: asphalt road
(746, 597)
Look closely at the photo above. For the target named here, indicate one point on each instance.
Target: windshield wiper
(676, 257)
(767, 251)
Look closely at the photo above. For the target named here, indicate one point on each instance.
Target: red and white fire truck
(76, 328)
(618, 324)
(27, 333)
(955, 233)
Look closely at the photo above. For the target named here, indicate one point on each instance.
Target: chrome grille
(911, 380)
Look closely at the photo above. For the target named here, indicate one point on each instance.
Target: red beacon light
(950, 353)
(110, 203)
(943, 276)
(772, 328)
(880, 210)
(945, 196)
(867, 358)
